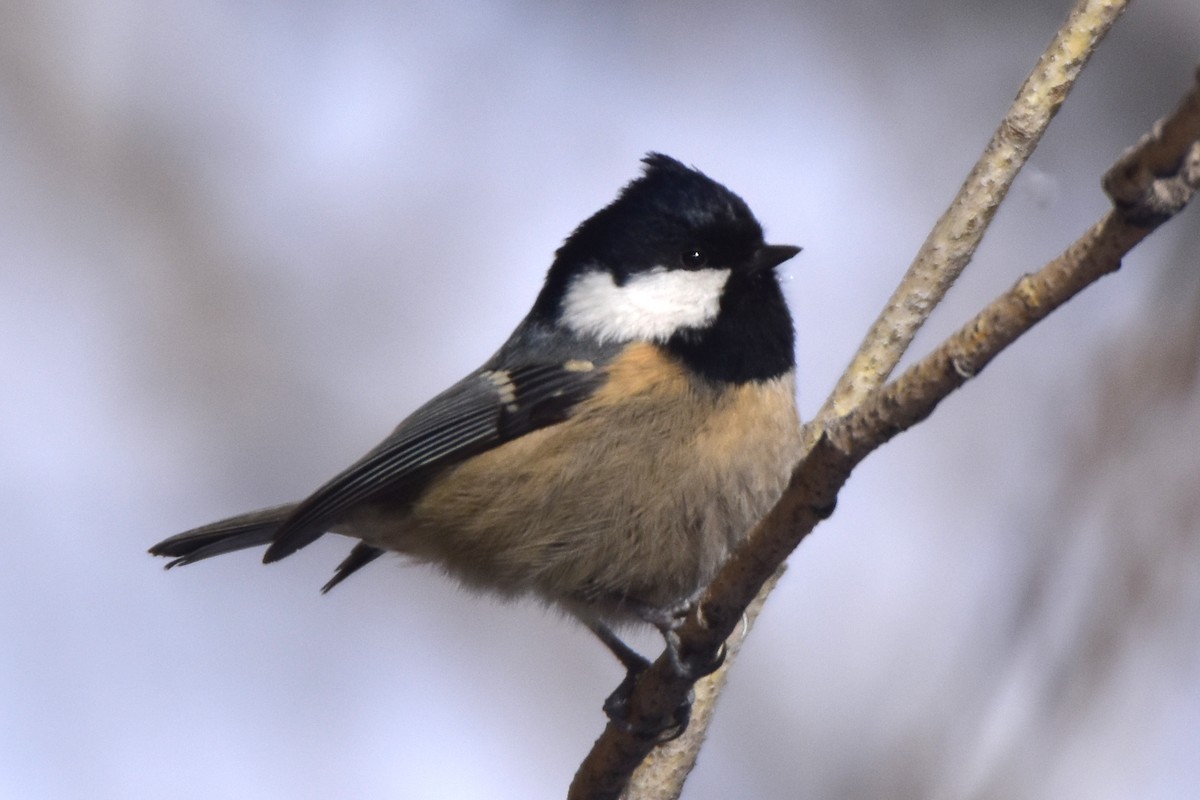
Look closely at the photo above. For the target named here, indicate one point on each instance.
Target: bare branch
(666, 768)
(1154, 178)
(1150, 183)
(955, 237)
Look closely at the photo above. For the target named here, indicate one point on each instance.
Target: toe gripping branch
(662, 724)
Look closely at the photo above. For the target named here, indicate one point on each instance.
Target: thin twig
(955, 237)
(1151, 182)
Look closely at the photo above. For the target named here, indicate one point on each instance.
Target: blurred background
(239, 242)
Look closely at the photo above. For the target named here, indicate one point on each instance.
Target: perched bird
(634, 427)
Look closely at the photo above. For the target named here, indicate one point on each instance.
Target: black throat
(752, 338)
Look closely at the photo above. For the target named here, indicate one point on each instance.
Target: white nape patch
(651, 306)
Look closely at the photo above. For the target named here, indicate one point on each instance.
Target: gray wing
(484, 410)
(512, 395)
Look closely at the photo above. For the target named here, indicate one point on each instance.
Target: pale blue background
(239, 241)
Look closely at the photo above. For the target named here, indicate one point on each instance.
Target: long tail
(254, 529)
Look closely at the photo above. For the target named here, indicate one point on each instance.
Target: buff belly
(624, 506)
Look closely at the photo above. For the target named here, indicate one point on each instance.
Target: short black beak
(770, 256)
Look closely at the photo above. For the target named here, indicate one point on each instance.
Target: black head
(680, 260)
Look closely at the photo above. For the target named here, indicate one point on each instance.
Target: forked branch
(957, 234)
(1149, 184)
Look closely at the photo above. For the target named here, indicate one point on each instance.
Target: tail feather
(216, 538)
(359, 557)
(249, 530)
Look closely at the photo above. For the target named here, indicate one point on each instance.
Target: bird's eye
(693, 258)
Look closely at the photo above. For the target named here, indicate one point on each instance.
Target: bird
(612, 453)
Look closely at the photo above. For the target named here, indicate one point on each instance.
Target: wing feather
(507, 398)
(482, 411)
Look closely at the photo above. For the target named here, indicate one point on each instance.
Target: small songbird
(634, 427)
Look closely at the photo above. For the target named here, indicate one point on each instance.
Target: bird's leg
(616, 706)
(690, 666)
(668, 620)
(632, 660)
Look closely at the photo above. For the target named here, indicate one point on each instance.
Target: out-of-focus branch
(1153, 179)
(1150, 183)
(955, 237)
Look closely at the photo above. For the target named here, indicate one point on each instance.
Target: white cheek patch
(651, 306)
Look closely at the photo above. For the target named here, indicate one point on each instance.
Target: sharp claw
(616, 707)
(689, 666)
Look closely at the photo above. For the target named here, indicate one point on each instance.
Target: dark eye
(693, 258)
